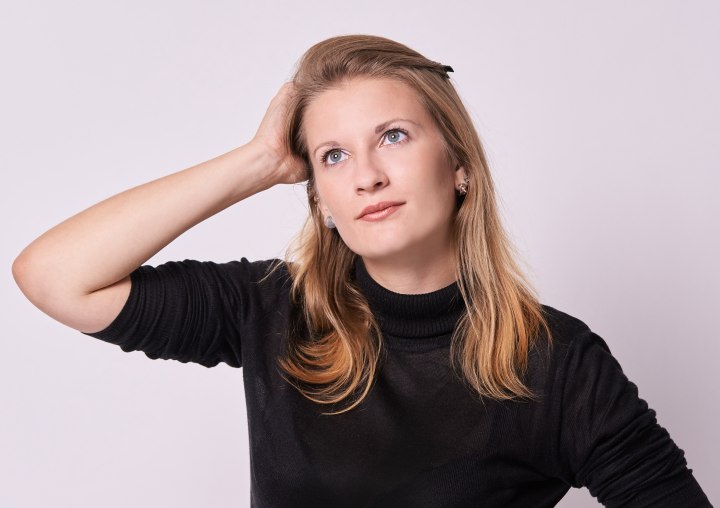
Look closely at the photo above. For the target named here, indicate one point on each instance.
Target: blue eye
(395, 136)
(332, 157)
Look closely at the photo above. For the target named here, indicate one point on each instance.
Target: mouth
(379, 211)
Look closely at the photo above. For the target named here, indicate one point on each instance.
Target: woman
(400, 358)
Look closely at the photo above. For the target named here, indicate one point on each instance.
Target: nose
(370, 176)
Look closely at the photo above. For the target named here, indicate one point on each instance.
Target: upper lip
(378, 206)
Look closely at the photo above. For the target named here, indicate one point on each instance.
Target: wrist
(267, 161)
(259, 163)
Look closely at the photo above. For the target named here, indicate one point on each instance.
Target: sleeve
(189, 311)
(610, 440)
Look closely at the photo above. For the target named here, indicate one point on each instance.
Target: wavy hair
(335, 347)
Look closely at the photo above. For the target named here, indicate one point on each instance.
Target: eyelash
(326, 154)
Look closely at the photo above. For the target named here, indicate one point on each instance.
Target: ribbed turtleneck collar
(407, 320)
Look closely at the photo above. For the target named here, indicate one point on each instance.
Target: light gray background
(601, 122)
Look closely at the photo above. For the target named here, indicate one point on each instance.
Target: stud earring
(463, 187)
(329, 222)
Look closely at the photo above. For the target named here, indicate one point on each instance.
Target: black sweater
(421, 438)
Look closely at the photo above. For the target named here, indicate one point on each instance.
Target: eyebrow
(381, 127)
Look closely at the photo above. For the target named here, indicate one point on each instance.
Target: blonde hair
(335, 348)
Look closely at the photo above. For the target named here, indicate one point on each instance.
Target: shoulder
(569, 331)
(573, 347)
(265, 271)
(563, 326)
(268, 278)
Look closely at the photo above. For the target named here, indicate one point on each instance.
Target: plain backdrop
(601, 121)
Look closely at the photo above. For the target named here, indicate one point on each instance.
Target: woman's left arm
(609, 439)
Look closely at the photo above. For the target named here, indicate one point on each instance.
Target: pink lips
(379, 211)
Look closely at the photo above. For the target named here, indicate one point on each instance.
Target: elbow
(30, 276)
(20, 270)
(35, 280)
(46, 285)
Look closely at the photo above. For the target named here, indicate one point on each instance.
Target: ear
(460, 175)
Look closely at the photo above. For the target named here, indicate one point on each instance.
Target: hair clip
(447, 68)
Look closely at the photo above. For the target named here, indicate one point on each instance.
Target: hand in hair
(270, 135)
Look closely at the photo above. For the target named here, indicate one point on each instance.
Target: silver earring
(463, 187)
(329, 222)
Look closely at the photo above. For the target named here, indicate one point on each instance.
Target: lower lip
(380, 214)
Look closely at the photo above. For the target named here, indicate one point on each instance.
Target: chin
(395, 244)
(381, 248)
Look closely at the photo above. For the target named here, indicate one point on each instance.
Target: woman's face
(381, 170)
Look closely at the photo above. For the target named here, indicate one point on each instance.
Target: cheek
(438, 183)
(443, 205)
(439, 202)
(325, 193)
(337, 204)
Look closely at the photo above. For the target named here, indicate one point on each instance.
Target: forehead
(360, 104)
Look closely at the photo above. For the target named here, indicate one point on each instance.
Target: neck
(413, 275)
(408, 321)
